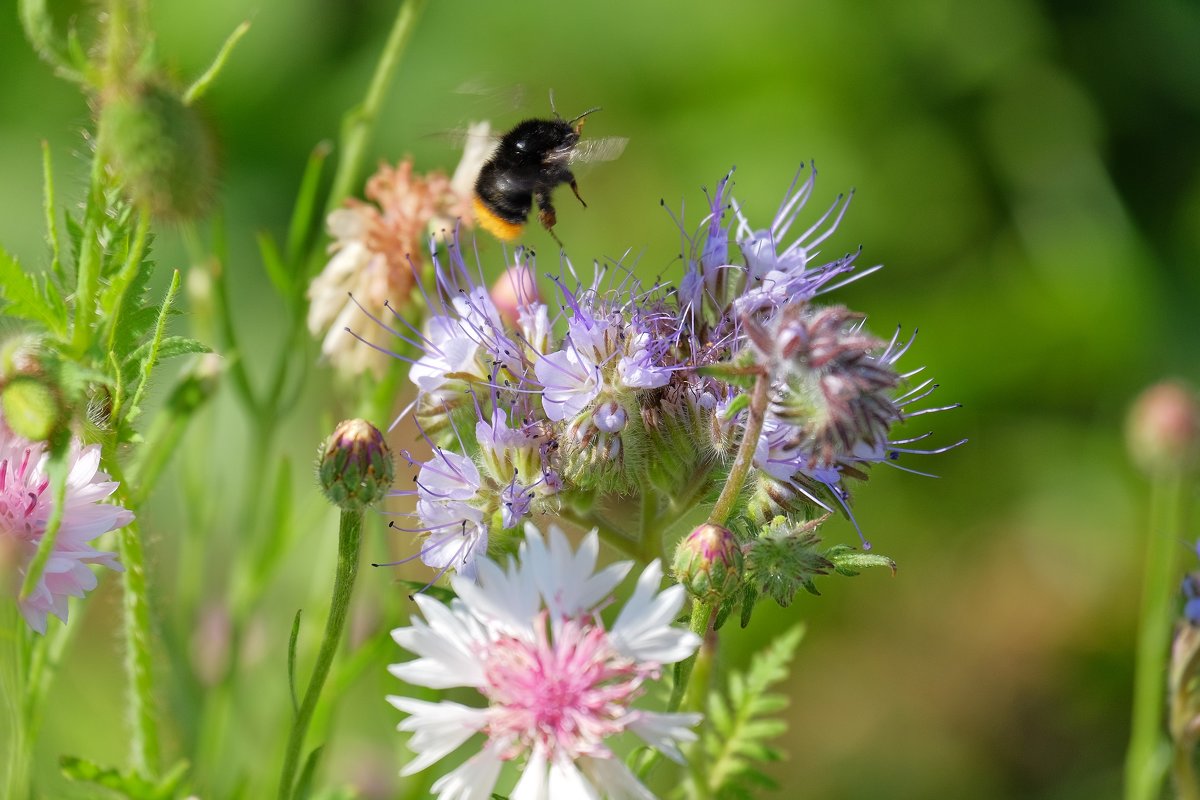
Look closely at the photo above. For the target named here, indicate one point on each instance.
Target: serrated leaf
(130, 785)
(25, 297)
(740, 726)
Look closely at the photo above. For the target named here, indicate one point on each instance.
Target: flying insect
(529, 162)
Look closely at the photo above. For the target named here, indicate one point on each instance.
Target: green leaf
(734, 374)
(291, 661)
(440, 593)
(25, 297)
(304, 212)
(740, 726)
(150, 357)
(304, 784)
(197, 89)
(849, 562)
(277, 271)
(47, 43)
(128, 784)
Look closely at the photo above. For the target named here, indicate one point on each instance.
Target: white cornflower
(556, 682)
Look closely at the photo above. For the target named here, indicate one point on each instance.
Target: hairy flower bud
(355, 469)
(708, 562)
(162, 149)
(32, 407)
(1163, 429)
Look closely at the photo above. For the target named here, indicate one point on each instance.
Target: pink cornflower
(25, 507)
(378, 248)
(557, 683)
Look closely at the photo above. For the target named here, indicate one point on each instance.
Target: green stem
(651, 530)
(349, 541)
(616, 538)
(360, 121)
(745, 454)
(57, 471)
(704, 612)
(144, 749)
(1147, 757)
(16, 736)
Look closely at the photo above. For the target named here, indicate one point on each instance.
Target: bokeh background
(1027, 172)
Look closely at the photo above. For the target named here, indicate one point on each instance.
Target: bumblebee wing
(474, 135)
(602, 149)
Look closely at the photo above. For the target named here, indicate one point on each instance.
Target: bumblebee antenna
(592, 110)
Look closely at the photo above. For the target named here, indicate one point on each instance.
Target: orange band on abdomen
(500, 228)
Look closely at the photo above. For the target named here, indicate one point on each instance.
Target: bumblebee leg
(575, 189)
(546, 214)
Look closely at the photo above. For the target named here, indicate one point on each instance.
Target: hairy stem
(745, 454)
(704, 612)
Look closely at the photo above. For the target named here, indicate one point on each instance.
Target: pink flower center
(19, 500)
(566, 695)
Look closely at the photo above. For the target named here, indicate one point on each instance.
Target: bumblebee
(529, 162)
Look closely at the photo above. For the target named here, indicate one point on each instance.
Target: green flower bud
(32, 407)
(21, 355)
(162, 149)
(355, 469)
(708, 562)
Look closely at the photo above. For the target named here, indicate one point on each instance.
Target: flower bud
(32, 407)
(162, 149)
(1163, 428)
(355, 469)
(708, 562)
(513, 291)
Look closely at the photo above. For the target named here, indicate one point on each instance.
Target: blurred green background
(1028, 172)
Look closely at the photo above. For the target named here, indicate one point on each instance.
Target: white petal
(474, 780)
(643, 629)
(618, 782)
(532, 785)
(567, 781)
(447, 649)
(438, 728)
(664, 731)
(499, 597)
(565, 577)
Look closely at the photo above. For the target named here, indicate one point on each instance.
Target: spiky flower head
(355, 468)
(557, 684)
(25, 509)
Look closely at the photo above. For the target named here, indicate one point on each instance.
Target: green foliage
(99, 350)
(849, 562)
(741, 724)
(786, 557)
(26, 297)
(126, 783)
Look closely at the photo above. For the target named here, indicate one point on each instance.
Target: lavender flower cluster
(615, 390)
